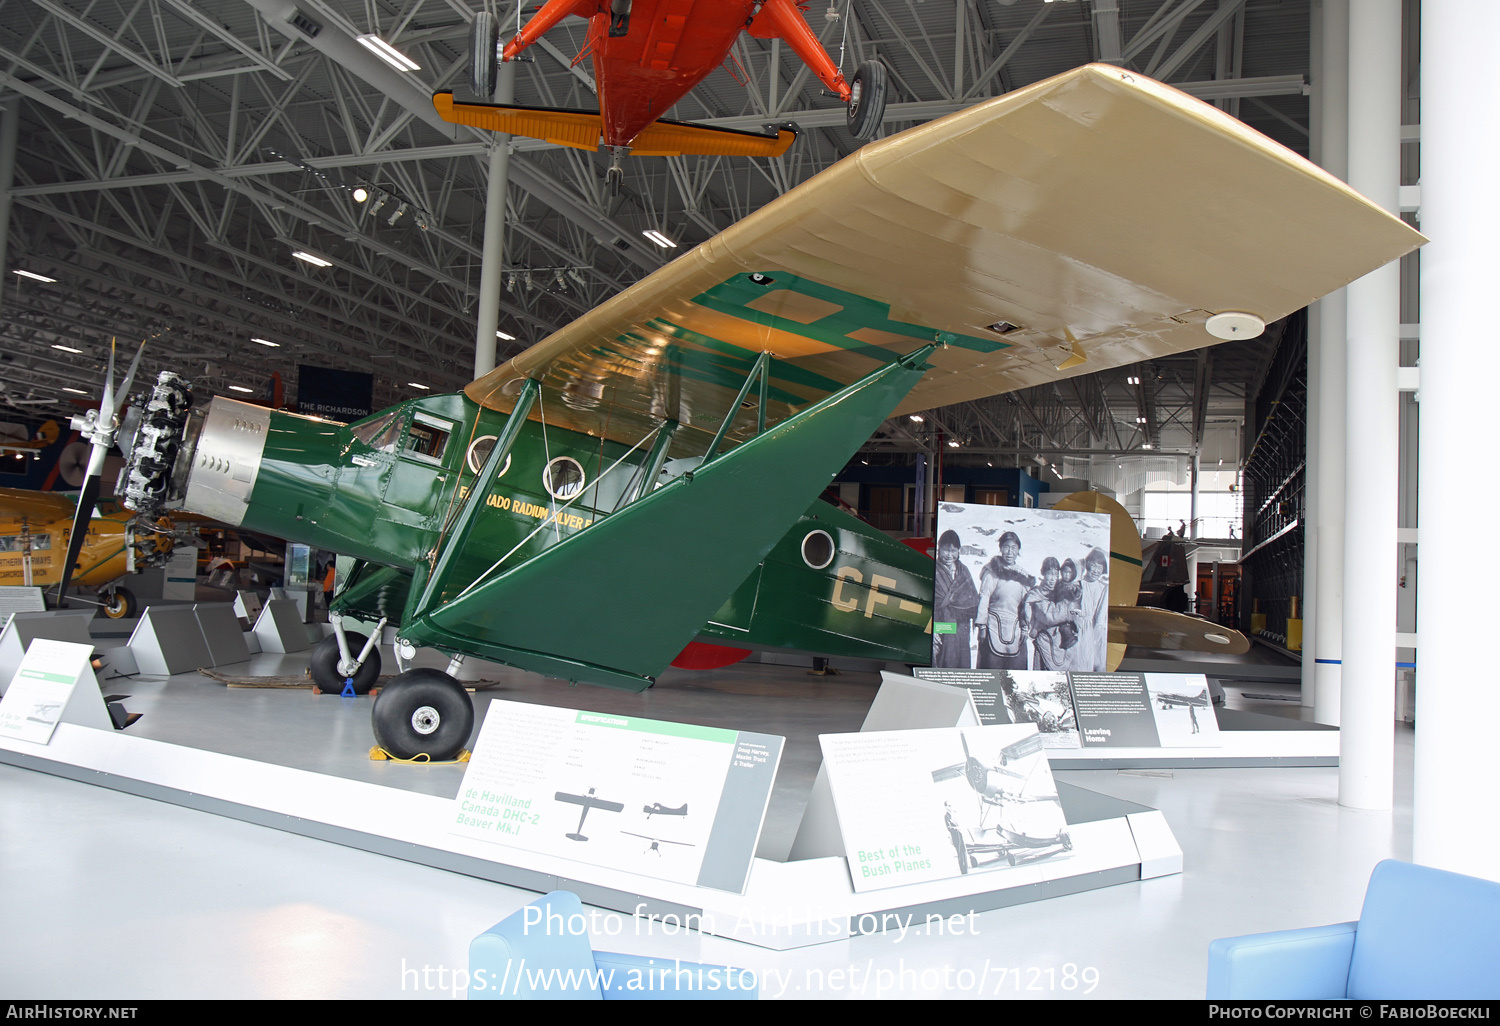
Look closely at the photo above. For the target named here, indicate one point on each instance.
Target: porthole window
(817, 549)
(479, 451)
(563, 478)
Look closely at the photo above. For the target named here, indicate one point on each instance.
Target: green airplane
(649, 476)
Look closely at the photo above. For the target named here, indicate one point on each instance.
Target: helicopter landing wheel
(867, 91)
(484, 42)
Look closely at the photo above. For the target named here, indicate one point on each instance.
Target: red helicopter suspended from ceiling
(648, 54)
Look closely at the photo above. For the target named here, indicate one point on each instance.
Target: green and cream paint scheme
(649, 474)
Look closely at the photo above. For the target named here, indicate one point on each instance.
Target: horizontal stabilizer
(583, 130)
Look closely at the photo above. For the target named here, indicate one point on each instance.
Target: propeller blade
(107, 403)
(81, 518)
(130, 374)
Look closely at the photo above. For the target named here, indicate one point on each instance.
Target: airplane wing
(1088, 221)
(1163, 629)
(38, 507)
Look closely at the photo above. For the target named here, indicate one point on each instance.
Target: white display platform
(786, 905)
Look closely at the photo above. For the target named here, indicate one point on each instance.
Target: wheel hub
(425, 720)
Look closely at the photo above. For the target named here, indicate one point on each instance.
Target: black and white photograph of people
(1020, 589)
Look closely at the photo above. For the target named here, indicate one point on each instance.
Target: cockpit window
(428, 438)
(380, 432)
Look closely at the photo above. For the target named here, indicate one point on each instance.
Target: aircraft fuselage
(383, 489)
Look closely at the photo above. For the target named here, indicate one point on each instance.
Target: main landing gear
(867, 92)
(423, 712)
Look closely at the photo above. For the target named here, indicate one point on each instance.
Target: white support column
(1314, 337)
(1372, 425)
(487, 320)
(1328, 401)
(1456, 806)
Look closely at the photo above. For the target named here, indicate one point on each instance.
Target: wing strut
(651, 469)
(762, 365)
(613, 603)
(450, 548)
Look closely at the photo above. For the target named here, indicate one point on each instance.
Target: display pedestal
(279, 628)
(71, 625)
(785, 905)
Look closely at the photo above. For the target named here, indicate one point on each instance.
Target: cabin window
(817, 549)
(379, 432)
(479, 451)
(428, 438)
(12, 543)
(563, 478)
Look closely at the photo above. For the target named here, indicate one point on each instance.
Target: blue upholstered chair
(542, 952)
(1423, 934)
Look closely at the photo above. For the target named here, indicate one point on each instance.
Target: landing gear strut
(347, 659)
(614, 178)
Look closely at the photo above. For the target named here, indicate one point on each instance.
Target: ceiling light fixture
(915, 418)
(953, 444)
(503, 335)
(360, 194)
(34, 276)
(388, 53)
(396, 215)
(75, 391)
(310, 258)
(242, 388)
(417, 384)
(658, 238)
(70, 349)
(267, 342)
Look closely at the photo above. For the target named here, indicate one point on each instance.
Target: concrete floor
(113, 896)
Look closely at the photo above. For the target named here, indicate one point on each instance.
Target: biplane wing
(38, 507)
(1097, 214)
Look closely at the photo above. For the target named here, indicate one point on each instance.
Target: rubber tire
(324, 665)
(962, 850)
(484, 38)
(122, 606)
(403, 696)
(867, 104)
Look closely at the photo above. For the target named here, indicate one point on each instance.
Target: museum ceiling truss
(172, 156)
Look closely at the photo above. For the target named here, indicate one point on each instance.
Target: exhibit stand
(667, 836)
(279, 627)
(71, 625)
(1136, 720)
